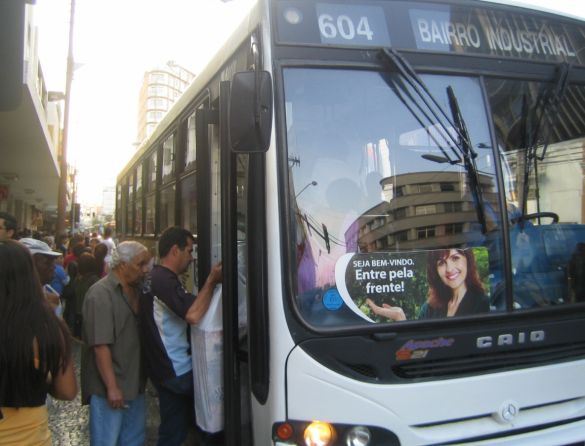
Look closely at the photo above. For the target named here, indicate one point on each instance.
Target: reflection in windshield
(377, 180)
(539, 120)
(370, 179)
(544, 189)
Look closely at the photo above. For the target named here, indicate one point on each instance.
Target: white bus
(400, 186)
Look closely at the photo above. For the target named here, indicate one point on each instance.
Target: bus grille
(451, 367)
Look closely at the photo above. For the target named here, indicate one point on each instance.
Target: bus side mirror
(250, 111)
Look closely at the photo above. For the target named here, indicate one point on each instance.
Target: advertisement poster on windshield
(393, 287)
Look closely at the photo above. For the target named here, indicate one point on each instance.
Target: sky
(114, 43)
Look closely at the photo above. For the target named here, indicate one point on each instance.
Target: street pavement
(68, 420)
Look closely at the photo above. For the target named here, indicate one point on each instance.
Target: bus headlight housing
(358, 436)
(319, 433)
(322, 433)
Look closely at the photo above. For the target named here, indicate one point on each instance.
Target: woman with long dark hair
(455, 288)
(35, 351)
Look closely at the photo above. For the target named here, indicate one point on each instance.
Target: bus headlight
(358, 436)
(318, 433)
(322, 433)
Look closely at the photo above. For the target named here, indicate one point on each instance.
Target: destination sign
(484, 33)
(489, 30)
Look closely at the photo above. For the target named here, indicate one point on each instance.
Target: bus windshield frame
(339, 298)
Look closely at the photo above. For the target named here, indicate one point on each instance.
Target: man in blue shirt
(166, 310)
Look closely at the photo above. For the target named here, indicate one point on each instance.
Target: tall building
(160, 88)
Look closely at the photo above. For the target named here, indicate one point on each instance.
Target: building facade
(30, 127)
(424, 209)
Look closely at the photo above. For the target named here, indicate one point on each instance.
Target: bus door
(222, 237)
(245, 119)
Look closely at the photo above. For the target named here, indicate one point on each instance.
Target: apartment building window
(158, 78)
(425, 209)
(401, 236)
(158, 90)
(377, 222)
(154, 115)
(425, 232)
(381, 243)
(158, 104)
(447, 187)
(422, 188)
(400, 213)
(453, 228)
(453, 206)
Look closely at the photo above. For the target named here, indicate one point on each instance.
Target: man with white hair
(112, 380)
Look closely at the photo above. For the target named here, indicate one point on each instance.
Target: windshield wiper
(429, 107)
(546, 106)
(469, 156)
(425, 102)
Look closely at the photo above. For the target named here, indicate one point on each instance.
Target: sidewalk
(68, 420)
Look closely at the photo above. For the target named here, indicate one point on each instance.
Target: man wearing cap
(7, 226)
(44, 260)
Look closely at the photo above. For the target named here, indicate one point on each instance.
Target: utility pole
(62, 191)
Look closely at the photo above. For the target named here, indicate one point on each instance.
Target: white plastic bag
(207, 348)
(207, 353)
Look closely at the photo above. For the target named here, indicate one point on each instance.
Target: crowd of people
(131, 318)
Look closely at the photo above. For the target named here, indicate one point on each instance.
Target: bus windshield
(387, 221)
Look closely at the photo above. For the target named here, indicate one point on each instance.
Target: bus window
(190, 152)
(138, 216)
(189, 203)
(138, 201)
(151, 172)
(149, 214)
(167, 207)
(120, 206)
(168, 164)
(379, 189)
(130, 207)
(541, 143)
(139, 180)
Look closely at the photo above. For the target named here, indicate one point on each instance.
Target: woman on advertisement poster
(455, 288)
